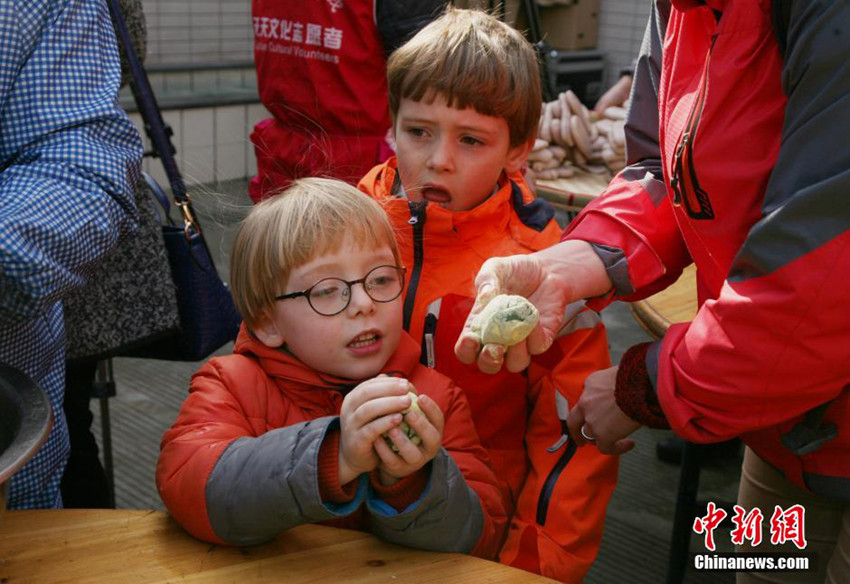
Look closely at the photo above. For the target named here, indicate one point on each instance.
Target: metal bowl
(25, 421)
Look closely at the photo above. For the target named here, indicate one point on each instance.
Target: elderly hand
(550, 279)
(523, 275)
(597, 416)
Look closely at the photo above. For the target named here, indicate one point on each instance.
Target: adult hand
(616, 95)
(596, 415)
(550, 279)
(372, 408)
(525, 276)
(411, 457)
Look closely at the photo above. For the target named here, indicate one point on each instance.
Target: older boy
(465, 98)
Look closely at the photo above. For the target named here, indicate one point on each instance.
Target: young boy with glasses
(465, 99)
(295, 427)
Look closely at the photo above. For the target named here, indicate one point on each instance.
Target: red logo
(787, 525)
(709, 523)
(747, 526)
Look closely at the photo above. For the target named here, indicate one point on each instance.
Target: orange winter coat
(239, 464)
(559, 497)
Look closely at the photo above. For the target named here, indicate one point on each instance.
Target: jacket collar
(444, 226)
(312, 391)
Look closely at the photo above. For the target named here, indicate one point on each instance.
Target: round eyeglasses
(331, 296)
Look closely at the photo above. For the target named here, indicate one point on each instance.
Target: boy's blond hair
(308, 219)
(473, 60)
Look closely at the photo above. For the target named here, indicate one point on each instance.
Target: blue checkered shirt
(68, 155)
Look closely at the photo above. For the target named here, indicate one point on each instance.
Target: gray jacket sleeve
(255, 493)
(263, 486)
(643, 155)
(447, 518)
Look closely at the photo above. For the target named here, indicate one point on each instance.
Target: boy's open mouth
(435, 194)
(364, 340)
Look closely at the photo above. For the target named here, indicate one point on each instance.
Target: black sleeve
(398, 20)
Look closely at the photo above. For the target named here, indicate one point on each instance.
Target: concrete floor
(637, 532)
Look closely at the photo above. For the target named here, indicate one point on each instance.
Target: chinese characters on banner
(309, 34)
(786, 525)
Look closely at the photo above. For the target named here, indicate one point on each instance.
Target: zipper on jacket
(685, 185)
(562, 406)
(552, 480)
(417, 222)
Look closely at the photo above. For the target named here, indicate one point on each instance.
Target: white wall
(194, 31)
(621, 26)
(212, 143)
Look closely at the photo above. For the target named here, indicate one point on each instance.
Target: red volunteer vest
(321, 73)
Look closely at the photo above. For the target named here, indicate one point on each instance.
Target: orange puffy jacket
(559, 494)
(239, 464)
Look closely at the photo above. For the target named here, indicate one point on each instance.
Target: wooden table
(678, 303)
(127, 547)
(571, 194)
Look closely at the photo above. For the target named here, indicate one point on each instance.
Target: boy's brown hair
(309, 218)
(473, 60)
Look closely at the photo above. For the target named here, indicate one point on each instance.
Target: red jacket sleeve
(638, 226)
(634, 218)
(767, 350)
(208, 421)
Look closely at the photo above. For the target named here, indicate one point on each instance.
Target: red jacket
(239, 463)
(560, 497)
(739, 163)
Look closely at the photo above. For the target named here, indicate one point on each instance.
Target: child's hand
(369, 410)
(411, 457)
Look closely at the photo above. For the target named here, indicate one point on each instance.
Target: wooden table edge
(161, 539)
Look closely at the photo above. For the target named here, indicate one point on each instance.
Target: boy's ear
(517, 156)
(267, 331)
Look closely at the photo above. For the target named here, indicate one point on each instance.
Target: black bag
(208, 317)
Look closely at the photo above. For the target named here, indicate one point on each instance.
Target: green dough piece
(404, 426)
(506, 320)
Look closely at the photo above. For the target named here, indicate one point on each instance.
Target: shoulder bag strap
(155, 127)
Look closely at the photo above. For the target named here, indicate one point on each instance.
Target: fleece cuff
(634, 391)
